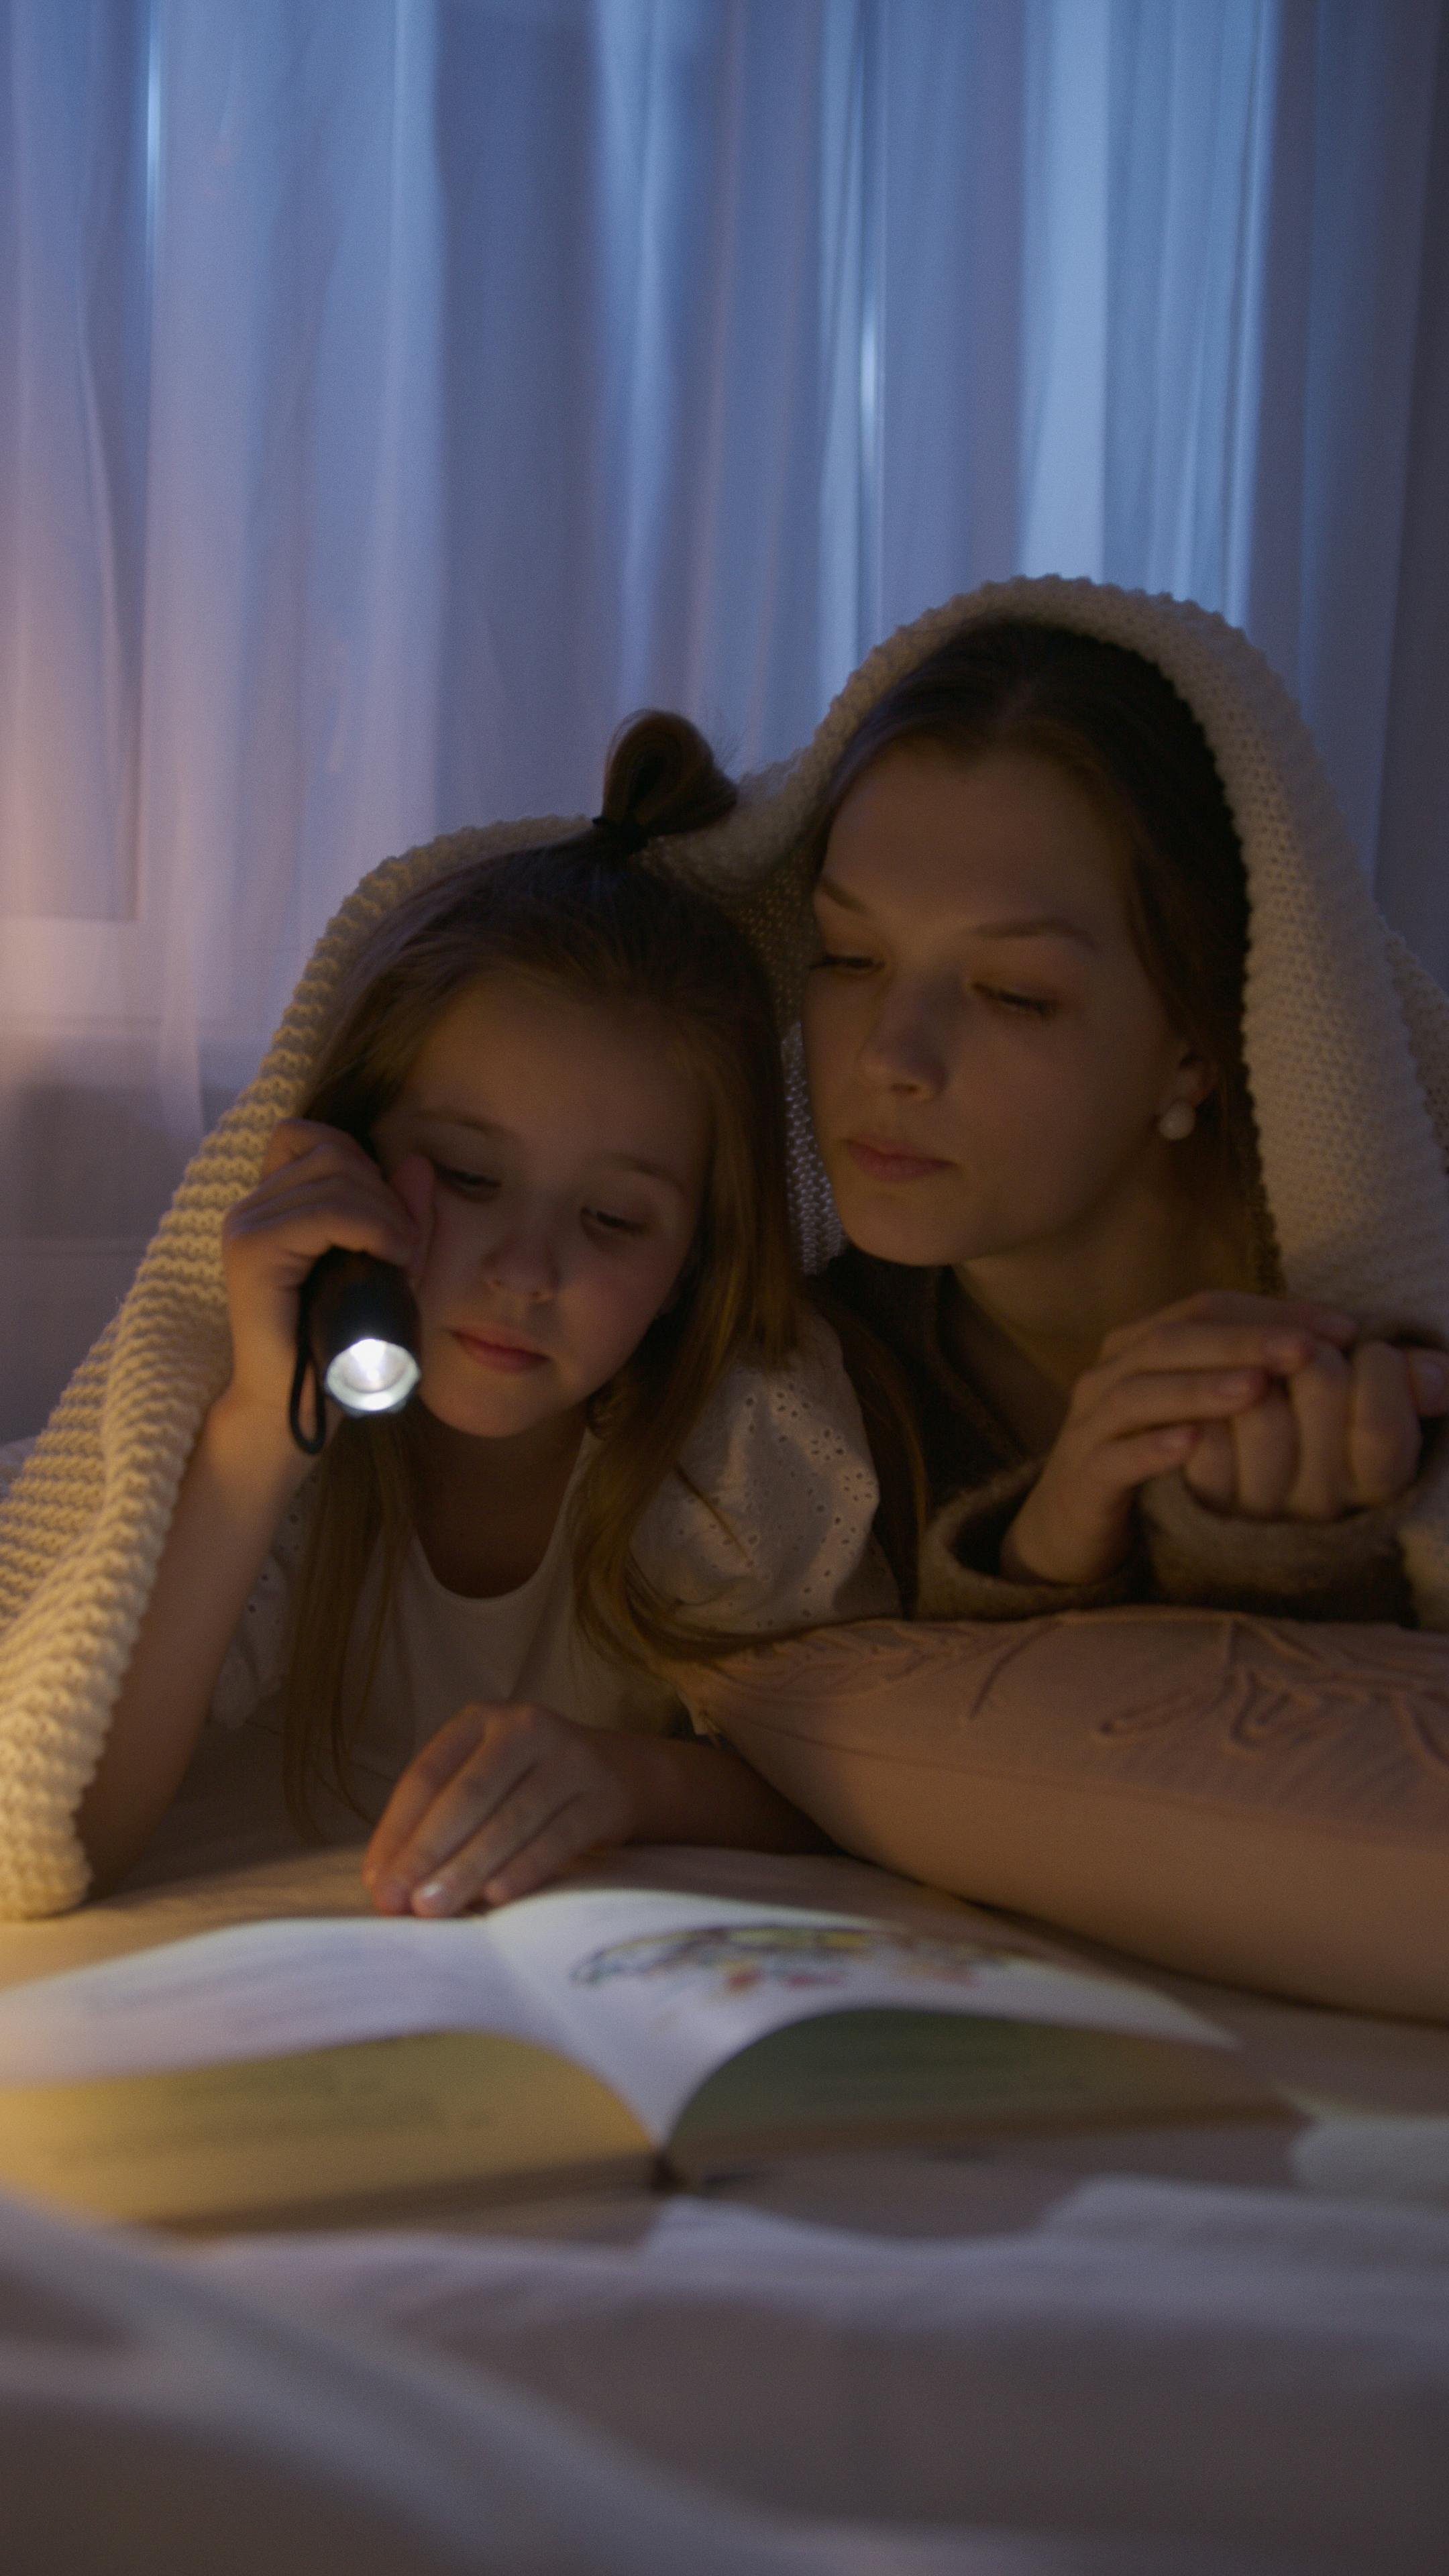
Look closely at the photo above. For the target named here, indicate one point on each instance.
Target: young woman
(1025, 1051)
(548, 1088)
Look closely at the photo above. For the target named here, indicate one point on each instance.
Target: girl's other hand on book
(501, 1800)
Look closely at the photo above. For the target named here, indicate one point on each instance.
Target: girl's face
(987, 1058)
(563, 1168)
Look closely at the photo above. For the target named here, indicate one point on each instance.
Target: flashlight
(358, 1336)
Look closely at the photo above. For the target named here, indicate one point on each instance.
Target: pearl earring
(1177, 1121)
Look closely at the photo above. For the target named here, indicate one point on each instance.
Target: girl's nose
(907, 1045)
(523, 1262)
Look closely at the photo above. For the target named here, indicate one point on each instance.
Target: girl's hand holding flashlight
(318, 1190)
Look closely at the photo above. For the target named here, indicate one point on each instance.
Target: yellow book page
(287, 2136)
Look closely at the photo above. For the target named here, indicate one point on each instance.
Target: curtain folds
(394, 394)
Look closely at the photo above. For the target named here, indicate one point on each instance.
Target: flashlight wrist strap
(311, 1438)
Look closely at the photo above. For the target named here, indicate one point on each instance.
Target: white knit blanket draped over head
(1347, 1044)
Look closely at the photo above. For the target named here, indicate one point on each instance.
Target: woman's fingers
(1155, 1400)
(1340, 1435)
(1214, 1311)
(1428, 1373)
(1384, 1438)
(1265, 1451)
(1076, 1523)
(1291, 1448)
(1211, 1471)
(1194, 1344)
(1319, 1397)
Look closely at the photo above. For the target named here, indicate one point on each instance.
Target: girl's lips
(890, 1162)
(510, 1358)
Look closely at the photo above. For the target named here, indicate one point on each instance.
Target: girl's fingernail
(433, 1893)
(1238, 1382)
(1429, 1377)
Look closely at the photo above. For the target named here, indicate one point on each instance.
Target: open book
(305, 2072)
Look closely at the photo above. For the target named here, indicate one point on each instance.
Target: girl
(1025, 1039)
(548, 1088)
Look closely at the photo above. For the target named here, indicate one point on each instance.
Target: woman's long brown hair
(590, 918)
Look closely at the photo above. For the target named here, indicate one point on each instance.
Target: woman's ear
(1194, 1079)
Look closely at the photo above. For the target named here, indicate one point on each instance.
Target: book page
(648, 1987)
(266, 1990)
(655, 1988)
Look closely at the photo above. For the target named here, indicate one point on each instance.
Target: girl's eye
(840, 964)
(473, 1184)
(1035, 1006)
(615, 1225)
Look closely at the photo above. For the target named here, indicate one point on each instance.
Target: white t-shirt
(765, 1526)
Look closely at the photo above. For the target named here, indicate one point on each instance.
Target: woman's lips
(884, 1162)
(510, 1358)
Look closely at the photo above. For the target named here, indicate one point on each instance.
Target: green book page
(318, 2131)
(880, 2078)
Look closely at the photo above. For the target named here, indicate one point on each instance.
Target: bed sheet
(1219, 2348)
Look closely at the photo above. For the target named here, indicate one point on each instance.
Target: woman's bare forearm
(235, 1491)
(704, 1793)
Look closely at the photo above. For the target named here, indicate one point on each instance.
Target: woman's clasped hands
(1270, 1408)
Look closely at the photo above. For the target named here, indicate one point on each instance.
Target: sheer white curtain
(395, 393)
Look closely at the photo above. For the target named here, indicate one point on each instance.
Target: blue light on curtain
(396, 393)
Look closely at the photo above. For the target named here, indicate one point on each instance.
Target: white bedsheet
(155, 2420)
(1151, 2363)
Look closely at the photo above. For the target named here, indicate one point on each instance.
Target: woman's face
(562, 1164)
(987, 1058)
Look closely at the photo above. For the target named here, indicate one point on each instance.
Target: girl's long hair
(591, 917)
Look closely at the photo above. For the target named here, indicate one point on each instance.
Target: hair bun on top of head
(622, 839)
(661, 777)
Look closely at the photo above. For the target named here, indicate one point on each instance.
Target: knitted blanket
(1347, 1045)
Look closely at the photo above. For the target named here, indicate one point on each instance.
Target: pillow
(1258, 1801)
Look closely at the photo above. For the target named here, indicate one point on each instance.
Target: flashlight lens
(372, 1377)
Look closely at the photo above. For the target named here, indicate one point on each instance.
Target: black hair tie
(624, 837)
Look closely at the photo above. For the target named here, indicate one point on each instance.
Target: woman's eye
(472, 1184)
(1035, 1006)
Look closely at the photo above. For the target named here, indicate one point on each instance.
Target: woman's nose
(907, 1045)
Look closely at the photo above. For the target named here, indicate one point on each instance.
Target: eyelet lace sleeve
(255, 1665)
(766, 1523)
